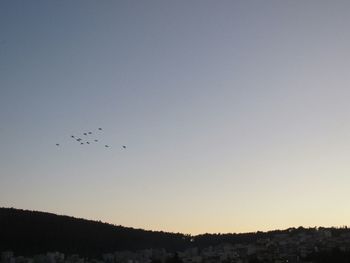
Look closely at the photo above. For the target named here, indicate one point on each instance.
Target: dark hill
(30, 232)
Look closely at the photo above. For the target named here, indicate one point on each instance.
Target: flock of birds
(87, 139)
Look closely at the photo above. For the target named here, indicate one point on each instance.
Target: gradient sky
(236, 114)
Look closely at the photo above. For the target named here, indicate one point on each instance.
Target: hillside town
(287, 246)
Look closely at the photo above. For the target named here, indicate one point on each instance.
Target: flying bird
(91, 140)
(124, 147)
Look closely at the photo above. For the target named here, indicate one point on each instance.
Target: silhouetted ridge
(31, 232)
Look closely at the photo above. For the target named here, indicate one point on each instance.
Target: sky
(235, 114)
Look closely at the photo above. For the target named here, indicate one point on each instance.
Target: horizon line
(171, 232)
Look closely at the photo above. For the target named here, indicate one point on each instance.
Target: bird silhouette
(91, 140)
(124, 147)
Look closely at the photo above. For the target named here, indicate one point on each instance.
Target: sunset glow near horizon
(235, 114)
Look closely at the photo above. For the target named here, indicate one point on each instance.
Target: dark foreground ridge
(29, 233)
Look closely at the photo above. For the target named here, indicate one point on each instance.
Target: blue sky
(235, 113)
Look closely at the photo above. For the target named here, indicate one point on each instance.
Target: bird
(124, 147)
(82, 140)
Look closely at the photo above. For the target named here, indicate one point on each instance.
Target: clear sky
(235, 114)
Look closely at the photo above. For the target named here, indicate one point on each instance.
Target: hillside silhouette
(31, 232)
